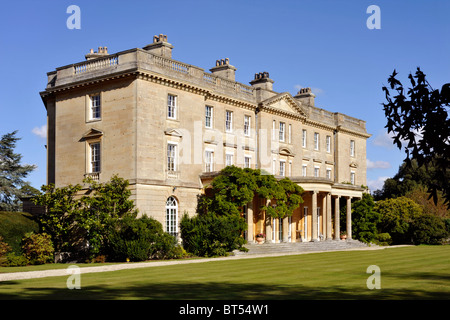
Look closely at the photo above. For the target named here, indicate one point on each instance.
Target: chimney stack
(305, 96)
(102, 51)
(224, 69)
(160, 46)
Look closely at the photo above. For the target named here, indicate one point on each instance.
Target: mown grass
(421, 272)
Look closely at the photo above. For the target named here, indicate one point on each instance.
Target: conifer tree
(12, 173)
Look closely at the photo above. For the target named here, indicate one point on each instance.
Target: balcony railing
(96, 64)
(93, 175)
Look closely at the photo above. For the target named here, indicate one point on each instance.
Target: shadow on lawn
(220, 291)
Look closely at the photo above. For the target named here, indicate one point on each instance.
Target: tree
(396, 218)
(422, 122)
(412, 182)
(428, 229)
(12, 173)
(103, 205)
(60, 220)
(365, 219)
(74, 222)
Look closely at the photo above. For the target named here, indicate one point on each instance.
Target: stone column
(349, 217)
(314, 216)
(250, 222)
(336, 219)
(268, 229)
(328, 216)
(285, 229)
(275, 226)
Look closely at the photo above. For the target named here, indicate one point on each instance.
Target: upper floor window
(289, 133)
(352, 148)
(94, 157)
(352, 177)
(171, 157)
(209, 161)
(228, 121)
(247, 125)
(304, 170)
(329, 174)
(304, 138)
(247, 162)
(282, 131)
(328, 144)
(316, 141)
(171, 106)
(208, 116)
(316, 171)
(95, 113)
(229, 159)
(282, 168)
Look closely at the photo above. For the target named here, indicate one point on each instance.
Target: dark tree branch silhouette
(418, 118)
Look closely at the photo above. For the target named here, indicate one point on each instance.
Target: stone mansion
(168, 127)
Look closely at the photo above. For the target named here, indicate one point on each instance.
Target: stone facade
(169, 127)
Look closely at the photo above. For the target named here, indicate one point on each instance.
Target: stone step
(274, 248)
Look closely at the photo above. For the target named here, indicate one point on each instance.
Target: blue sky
(325, 45)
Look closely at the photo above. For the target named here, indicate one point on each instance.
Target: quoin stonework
(168, 127)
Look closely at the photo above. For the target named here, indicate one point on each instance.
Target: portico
(316, 219)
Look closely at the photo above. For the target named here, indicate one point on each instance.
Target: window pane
(171, 106)
(95, 107)
(208, 116)
(247, 125)
(95, 157)
(171, 154)
(228, 121)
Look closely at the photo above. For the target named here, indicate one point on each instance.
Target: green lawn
(421, 272)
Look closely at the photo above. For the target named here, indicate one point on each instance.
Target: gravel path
(65, 272)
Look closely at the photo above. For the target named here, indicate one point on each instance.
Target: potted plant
(260, 238)
(343, 235)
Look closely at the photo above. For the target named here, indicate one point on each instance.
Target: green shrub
(4, 247)
(429, 229)
(382, 239)
(13, 260)
(13, 227)
(396, 217)
(211, 235)
(140, 239)
(38, 248)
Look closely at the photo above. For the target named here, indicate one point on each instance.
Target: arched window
(172, 216)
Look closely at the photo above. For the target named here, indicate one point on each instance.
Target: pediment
(285, 151)
(174, 133)
(92, 134)
(284, 102)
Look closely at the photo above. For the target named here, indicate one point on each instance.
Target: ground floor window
(172, 216)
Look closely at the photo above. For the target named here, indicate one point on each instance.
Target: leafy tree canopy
(234, 187)
(419, 117)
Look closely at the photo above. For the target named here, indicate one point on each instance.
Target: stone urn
(259, 240)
